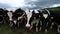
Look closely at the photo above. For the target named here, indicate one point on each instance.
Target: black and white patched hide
(46, 21)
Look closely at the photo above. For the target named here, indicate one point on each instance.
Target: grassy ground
(6, 29)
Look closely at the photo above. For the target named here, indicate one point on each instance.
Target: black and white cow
(20, 16)
(15, 17)
(32, 18)
(8, 16)
(46, 21)
(55, 14)
(1, 15)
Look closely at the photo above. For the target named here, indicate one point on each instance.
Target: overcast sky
(30, 4)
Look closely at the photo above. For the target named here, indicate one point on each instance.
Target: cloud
(4, 5)
(13, 3)
(42, 3)
(30, 4)
(55, 5)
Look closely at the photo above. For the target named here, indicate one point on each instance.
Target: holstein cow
(32, 18)
(13, 16)
(35, 19)
(16, 17)
(20, 16)
(6, 18)
(1, 15)
(55, 20)
(9, 15)
(29, 14)
(46, 21)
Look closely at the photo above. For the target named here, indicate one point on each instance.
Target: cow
(6, 18)
(33, 18)
(29, 14)
(46, 21)
(20, 16)
(55, 20)
(1, 15)
(8, 14)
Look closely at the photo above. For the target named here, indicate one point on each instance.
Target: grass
(6, 29)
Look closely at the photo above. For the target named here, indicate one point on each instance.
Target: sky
(29, 4)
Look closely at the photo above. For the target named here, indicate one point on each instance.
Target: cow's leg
(15, 23)
(37, 26)
(43, 25)
(11, 24)
(58, 29)
(46, 27)
(40, 25)
(52, 25)
(31, 25)
(18, 24)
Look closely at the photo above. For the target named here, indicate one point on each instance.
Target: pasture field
(6, 29)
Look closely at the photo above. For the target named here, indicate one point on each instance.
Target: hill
(54, 8)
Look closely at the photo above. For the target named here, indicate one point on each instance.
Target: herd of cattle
(41, 20)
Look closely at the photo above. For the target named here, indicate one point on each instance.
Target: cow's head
(10, 14)
(45, 14)
(29, 15)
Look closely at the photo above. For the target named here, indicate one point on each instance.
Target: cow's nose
(10, 19)
(27, 26)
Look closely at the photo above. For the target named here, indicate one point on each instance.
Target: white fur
(15, 21)
(45, 15)
(10, 15)
(29, 14)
